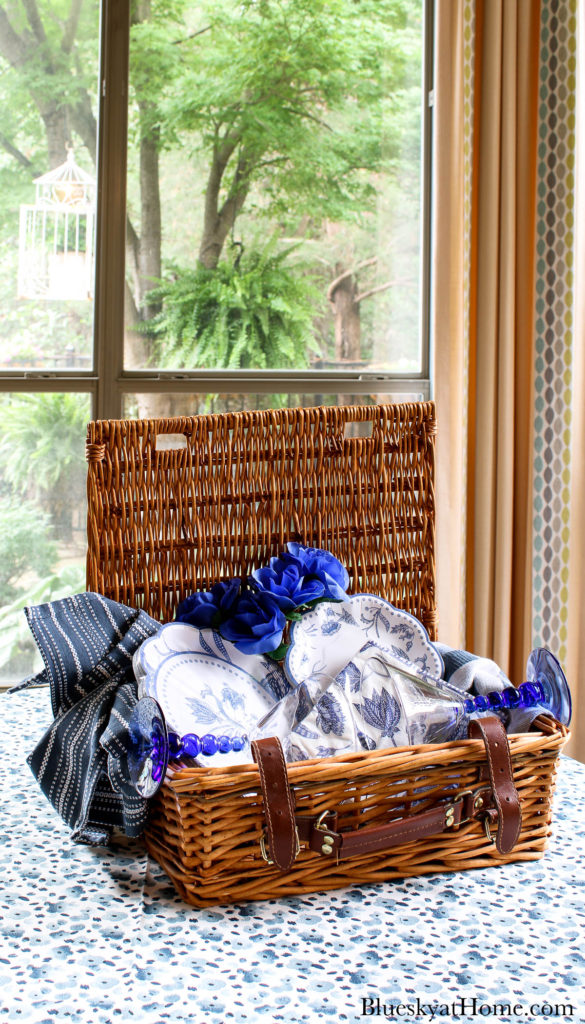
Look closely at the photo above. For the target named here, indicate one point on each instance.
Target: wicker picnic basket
(177, 504)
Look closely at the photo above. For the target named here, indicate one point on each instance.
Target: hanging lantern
(56, 250)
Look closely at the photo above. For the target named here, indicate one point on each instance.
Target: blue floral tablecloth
(99, 936)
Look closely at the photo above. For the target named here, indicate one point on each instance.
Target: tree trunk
(149, 250)
(56, 132)
(346, 313)
(218, 221)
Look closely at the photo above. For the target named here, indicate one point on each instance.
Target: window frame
(108, 381)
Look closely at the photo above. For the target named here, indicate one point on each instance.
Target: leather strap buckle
(474, 801)
(501, 778)
(264, 851)
(328, 840)
(486, 828)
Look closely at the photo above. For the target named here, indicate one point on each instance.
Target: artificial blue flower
(320, 565)
(287, 584)
(257, 625)
(208, 609)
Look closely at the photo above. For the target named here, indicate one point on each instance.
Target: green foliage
(59, 72)
(249, 312)
(16, 643)
(41, 450)
(298, 113)
(42, 453)
(292, 92)
(25, 544)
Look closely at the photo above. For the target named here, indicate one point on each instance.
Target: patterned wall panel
(554, 322)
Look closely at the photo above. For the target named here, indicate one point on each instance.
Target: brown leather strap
(306, 825)
(384, 837)
(278, 806)
(490, 801)
(462, 807)
(500, 773)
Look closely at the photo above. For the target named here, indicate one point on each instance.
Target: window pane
(42, 514)
(274, 185)
(154, 405)
(48, 96)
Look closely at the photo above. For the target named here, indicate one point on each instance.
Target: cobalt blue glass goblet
(151, 746)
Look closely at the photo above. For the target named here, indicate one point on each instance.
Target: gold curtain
(450, 232)
(485, 236)
(483, 374)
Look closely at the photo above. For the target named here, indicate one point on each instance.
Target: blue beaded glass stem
(527, 695)
(546, 688)
(193, 745)
(189, 745)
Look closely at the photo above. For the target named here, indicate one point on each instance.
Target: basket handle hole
(170, 442)
(358, 428)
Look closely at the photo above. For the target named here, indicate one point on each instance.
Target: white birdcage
(56, 250)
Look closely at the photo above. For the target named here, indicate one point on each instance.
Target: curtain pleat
(501, 337)
(449, 312)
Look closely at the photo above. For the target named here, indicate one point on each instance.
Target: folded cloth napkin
(470, 673)
(87, 642)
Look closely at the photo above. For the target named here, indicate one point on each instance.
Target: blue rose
(257, 625)
(287, 584)
(320, 565)
(208, 609)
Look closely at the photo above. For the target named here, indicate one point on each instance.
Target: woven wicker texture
(163, 523)
(205, 824)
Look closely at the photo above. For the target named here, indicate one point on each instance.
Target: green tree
(46, 46)
(287, 94)
(287, 111)
(286, 106)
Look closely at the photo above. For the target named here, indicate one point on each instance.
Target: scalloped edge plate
(180, 637)
(326, 638)
(199, 693)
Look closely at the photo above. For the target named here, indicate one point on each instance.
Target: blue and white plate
(179, 637)
(201, 694)
(326, 639)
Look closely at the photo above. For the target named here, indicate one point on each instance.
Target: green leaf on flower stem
(321, 600)
(279, 653)
(294, 616)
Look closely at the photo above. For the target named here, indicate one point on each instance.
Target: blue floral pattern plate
(326, 638)
(179, 637)
(199, 693)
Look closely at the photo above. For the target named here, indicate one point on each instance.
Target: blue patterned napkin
(87, 642)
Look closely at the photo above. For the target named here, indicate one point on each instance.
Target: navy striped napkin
(87, 642)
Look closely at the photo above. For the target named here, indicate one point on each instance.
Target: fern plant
(249, 312)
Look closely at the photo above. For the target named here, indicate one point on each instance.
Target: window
(49, 74)
(260, 236)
